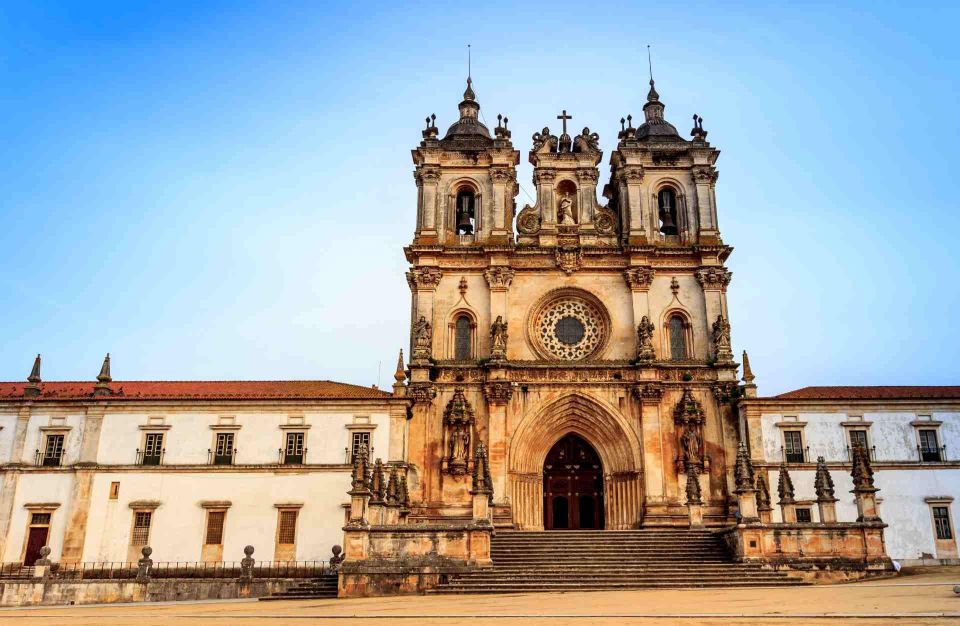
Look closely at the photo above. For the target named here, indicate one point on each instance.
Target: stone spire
(743, 470)
(359, 475)
(393, 488)
(403, 495)
(34, 376)
(102, 388)
(749, 387)
(481, 471)
(378, 484)
(861, 472)
(655, 127)
(763, 492)
(399, 377)
(785, 486)
(693, 486)
(469, 124)
(823, 483)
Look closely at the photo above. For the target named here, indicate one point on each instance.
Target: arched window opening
(466, 212)
(678, 340)
(462, 339)
(667, 201)
(567, 210)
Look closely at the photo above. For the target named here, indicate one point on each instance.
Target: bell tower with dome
(588, 352)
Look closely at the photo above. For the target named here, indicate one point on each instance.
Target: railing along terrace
(150, 459)
(125, 570)
(795, 455)
(871, 452)
(348, 454)
(221, 459)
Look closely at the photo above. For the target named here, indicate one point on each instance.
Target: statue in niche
(691, 445)
(459, 448)
(422, 338)
(721, 339)
(645, 352)
(498, 338)
(565, 212)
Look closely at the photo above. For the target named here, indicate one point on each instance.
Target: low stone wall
(831, 552)
(53, 592)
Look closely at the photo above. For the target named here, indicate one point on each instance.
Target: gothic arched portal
(572, 486)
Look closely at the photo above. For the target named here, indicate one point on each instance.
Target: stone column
(498, 395)
(544, 179)
(705, 177)
(502, 178)
(423, 282)
(630, 178)
(428, 179)
(649, 395)
(714, 281)
(639, 280)
(423, 433)
(745, 490)
(863, 489)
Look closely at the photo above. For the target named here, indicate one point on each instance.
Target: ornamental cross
(563, 118)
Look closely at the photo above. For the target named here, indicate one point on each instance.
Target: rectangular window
(359, 439)
(287, 533)
(152, 449)
(803, 515)
(941, 521)
(293, 451)
(114, 490)
(793, 446)
(223, 454)
(215, 521)
(929, 446)
(40, 519)
(141, 528)
(858, 438)
(53, 450)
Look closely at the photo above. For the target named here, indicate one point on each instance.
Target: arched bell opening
(572, 486)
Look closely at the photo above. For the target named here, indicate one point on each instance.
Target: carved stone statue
(721, 340)
(565, 212)
(422, 339)
(458, 419)
(460, 447)
(544, 141)
(691, 446)
(498, 339)
(645, 353)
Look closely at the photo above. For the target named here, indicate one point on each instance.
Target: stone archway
(606, 430)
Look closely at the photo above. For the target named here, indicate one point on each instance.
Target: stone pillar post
(714, 281)
(763, 498)
(428, 178)
(503, 179)
(360, 489)
(246, 564)
(544, 179)
(145, 565)
(639, 280)
(630, 179)
(498, 395)
(863, 489)
(694, 501)
(705, 177)
(20, 436)
(649, 396)
(823, 484)
(745, 490)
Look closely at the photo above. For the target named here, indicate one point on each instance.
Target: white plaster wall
(37, 487)
(71, 445)
(8, 426)
(178, 525)
(257, 441)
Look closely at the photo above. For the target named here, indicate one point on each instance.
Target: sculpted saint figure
(645, 351)
(498, 338)
(565, 213)
(691, 445)
(459, 445)
(422, 338)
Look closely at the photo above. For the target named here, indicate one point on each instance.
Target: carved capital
(714, 278)
(544, 176)
(498, 393)
(639, 278)
(648, 393)
(421, 393)
(429, 173)
(499, 278)
(725, 392)
(420, 278)
(704, 174)
(588, 176)
(501, 174)
(631, 174)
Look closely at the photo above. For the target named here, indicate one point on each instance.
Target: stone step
(573, 587)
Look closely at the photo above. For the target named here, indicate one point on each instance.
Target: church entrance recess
(572, 486)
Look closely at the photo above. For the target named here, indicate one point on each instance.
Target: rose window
(570, 328)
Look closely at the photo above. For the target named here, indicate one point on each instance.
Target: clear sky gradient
(222, 190)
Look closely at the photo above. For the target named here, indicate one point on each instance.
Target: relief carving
(499, 278)
(639, 278)
(422, 339)
(498, 393)
(424, 278)
(458, 420)
(498, 339)
(714, 278)
(721, 341)
(645, 352)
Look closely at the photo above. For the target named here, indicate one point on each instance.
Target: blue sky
(222, 190)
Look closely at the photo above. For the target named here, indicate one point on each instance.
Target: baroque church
(570, 368)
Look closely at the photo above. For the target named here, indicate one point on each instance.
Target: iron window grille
(929, 450)
(287, 533)
(214, 535)
(141, 528)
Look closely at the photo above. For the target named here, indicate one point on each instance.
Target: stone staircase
(595, 560)
(323, 587)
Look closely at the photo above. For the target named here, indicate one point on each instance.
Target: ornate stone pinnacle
(359, 475)
(400, 375)
(861, 472)
(823, 483)
(393, 488)
(34, 376)
(378, 484)
(747, 372)
(763, 492)
(743, 470)
(785, 486)
(481, 471)
(104, 375)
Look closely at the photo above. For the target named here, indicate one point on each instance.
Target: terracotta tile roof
(200, 390)
(872, 393)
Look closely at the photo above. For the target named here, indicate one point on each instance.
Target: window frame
(792, 453)
(299, 458)
(211, 513)
(155, 459)
(676, 210)
(801, 511)
(137, 515)
(224, 459)
(47, 460)
(283, 511)
(686, 334)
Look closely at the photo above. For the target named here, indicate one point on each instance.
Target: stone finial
(34, 376)
(246, 563)
(102, 388)
(747, 372)
(400, 375)
(823, 483)
(392, 497)
(743, 470)
(44, 559)
(481, 471)
(337, 557)
(403, 494)
(378, 484)
(145, 564)
(763, 492)
(360, 475)
(694, 495)
(785, 486)
(861, 472)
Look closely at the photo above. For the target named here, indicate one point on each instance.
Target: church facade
(569, 367)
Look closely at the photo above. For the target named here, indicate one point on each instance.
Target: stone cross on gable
(563, 118)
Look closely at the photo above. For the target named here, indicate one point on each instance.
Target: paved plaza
(923, 598)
